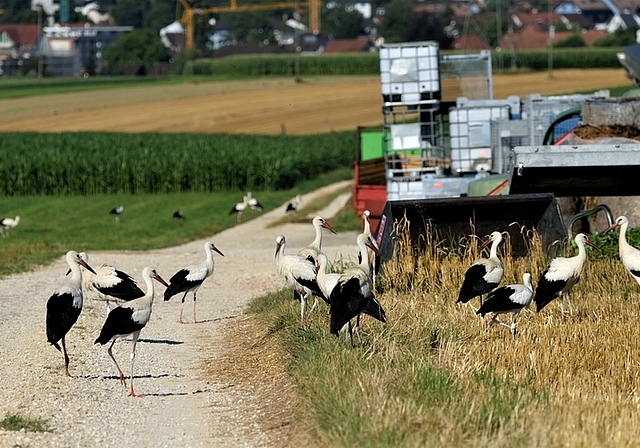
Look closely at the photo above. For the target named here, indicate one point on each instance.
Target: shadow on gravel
(160, 341)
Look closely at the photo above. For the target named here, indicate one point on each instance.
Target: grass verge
(435, 375)
(52, 225)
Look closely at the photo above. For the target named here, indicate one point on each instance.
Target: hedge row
(368, 63)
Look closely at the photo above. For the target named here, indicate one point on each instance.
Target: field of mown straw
(569, 381)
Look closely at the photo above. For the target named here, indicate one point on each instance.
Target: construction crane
(189, 12)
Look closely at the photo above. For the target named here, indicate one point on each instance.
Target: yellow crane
(188, 13)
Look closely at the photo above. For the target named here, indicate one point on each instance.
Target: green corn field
(87, 163)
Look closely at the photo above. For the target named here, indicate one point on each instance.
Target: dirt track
(255, 107)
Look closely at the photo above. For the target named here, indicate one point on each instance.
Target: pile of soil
(587, 132)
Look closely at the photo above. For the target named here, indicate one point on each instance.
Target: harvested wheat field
(267, 106)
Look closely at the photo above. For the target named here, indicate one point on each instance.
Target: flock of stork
(349, 294)
(131, 316)
(557, 281)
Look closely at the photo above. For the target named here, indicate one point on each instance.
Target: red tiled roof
(21, 35)
(531, 38)
(346, 45)
(469, 42)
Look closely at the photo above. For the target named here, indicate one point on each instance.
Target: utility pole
(39, 41)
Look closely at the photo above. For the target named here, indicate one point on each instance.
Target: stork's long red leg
(122, 380)
(133, 357)
(66, 358)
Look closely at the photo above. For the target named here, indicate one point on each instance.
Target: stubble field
(266, 106)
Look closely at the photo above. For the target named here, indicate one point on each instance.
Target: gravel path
(181, 407)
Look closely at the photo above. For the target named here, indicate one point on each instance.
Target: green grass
(15, 422)
(52, 225)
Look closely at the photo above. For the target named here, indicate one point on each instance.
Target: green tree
(619, 38)
(341, 22)
(398, 14)
(250, 27)
(573, 41)
(128, 12)
(138, 47)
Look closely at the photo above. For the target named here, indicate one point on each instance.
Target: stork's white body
(8, 223)
(65, 304)
(129, 318)
(298, 272)
(484, 275)
(561, 276)
(189, 279)
(508, 299)
(629, 255)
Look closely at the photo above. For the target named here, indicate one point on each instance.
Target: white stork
(629, 255)
(128, 319)
(8, 223)
(253, 202)
(239, 208)
(190, 278)
(315, 247)
(293, 205)
(374, 258)
(353, 293)
(64, 306)
(561, 275)
(298, 272)
(108, 281)
(116, 212)
(326, 281)
(485, 274)
(179, 216)
(311, 251)
(508, 299)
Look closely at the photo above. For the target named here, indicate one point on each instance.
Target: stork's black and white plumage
(64, 306)
(253, 202)
(629, 255)
(293, 205)
(190, 278)
(484, 275)
(298, 272)
(239, 208)
(108, 281)
(561, 275)
(128, 319)
(353, 294)
(178, 215)
(8, 223)
(116, 212)
(508, 299)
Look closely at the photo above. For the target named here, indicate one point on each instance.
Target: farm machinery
(452, 159)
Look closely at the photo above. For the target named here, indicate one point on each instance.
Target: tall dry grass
(435, 375)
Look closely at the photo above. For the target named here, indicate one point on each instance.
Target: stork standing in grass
(561, 276)
(311, 251)
(127, 319)
(374, 258)
(508, 299)
(116, 212)
(189, 279)
(64, 306)
(485, 274)
(629, 255)
(298, 272)
(353, 294)
(8, 223)
(253, 202)
(108, 281)
(239, 208)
